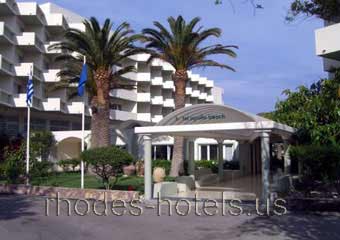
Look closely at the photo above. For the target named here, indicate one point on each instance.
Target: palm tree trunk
(180, 78)
(100, 122)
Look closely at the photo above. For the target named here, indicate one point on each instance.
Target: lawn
(72, 180)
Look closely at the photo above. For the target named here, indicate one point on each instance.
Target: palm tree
(104, 48)
(181, 46)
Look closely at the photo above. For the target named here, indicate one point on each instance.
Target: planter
(158, 174)
(140, 168)
(129, 170)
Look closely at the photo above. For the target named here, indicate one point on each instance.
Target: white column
(265, 158)
(199, 152)
(208, 152)
(220, 160)
(191, 159)
(147, 167)
(168, 152)
(286, 157)
(154, 152)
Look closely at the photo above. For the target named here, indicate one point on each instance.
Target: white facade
(327, 45)
(27, 29)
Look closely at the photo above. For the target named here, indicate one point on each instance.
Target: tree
(314, 111)
(107, 162)
(104, 49)
(181, 46)
(324, 9)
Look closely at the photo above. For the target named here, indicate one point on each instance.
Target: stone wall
(69, 193)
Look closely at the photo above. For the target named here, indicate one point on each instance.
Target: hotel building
(327, 44)
(27, 29)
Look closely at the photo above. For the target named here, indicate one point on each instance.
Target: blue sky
(273, 54)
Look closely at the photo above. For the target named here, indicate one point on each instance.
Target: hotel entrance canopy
(220, 122)
(214, 121)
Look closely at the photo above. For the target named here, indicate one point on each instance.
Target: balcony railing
(6, 65)
(6, 32)
(129, 95)
(5, 98)
(31, 39)
(122, 115)
(169, 103)
(157, 100)
(24, 69)
(20, 101)
(327, 44)
(9, 5)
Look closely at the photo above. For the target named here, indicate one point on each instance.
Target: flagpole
(28, 134)
(82, 138)
(28, 144)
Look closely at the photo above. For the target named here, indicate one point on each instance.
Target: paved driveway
(25, 218)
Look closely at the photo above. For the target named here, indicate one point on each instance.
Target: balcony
(20, 101)
(210, 98)
(30, 42)
(6, 67)
(77, 108)
(157, 100)
(209, 84)
(122, 115)
(5, 98)
(169, 102)
(56, 23)
(51, 75)
(327, 44)
(202, 81)
(8, 7)
(169, 85)
(156, 118)
(54, 51)
(6, 35)
(138, 76)
(145, 117)
(143, 97)
(157, 81)
(128, 95)
(31, 13)
(24, 69)
(143, 57)
(196, 93)
(188, 91)
(54, 104)
(203, 96)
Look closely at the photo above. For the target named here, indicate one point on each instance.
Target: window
(213, 152)
(59, 125)
(116, 107)
(160, 152)
(204, 152)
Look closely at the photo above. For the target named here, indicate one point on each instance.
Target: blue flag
(82, 81)
(29, 91)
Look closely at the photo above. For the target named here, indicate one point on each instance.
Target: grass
(72, 180)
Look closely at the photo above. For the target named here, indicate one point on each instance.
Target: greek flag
(29, 91)
(82, 81)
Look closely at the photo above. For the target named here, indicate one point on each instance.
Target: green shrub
(163, 164)
(67, 164)
(41, 144)
(107, 162)
(321, 163)
(211, 164)
(14, 165)
(39, 170)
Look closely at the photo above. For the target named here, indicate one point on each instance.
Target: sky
(273, 55)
